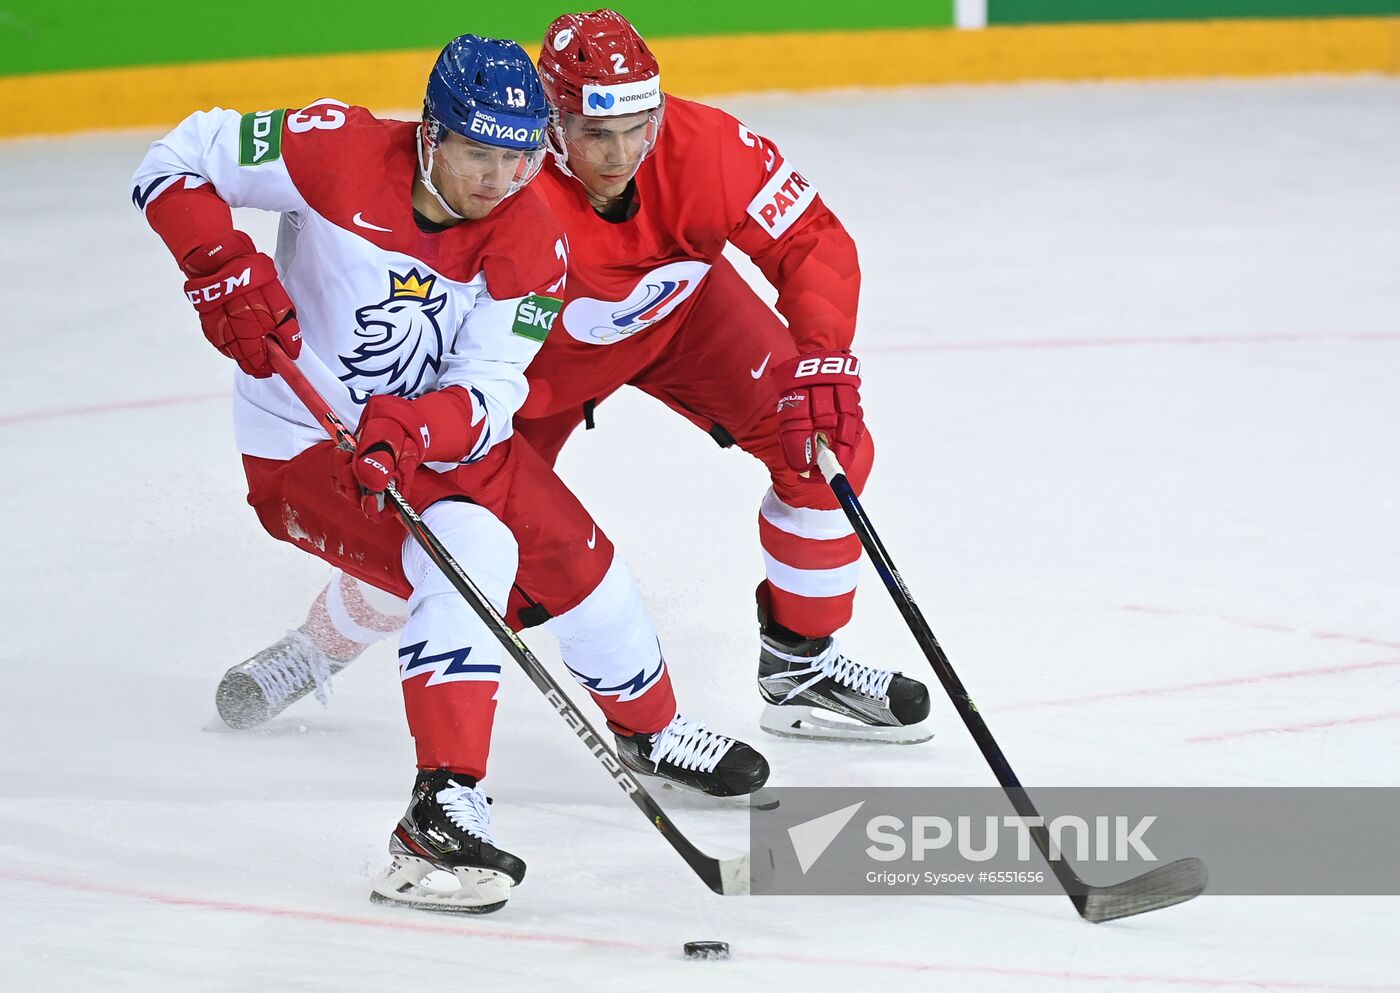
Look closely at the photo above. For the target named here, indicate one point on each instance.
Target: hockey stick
(1170, 884)
(728, 877)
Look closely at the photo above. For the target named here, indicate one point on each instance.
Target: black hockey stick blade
(1164, 886)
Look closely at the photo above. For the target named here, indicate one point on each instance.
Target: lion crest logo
(402, 341)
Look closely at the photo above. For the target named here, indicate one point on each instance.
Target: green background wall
(53, 35)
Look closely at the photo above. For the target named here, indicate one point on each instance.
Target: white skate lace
(466, 807)
(831, 664)
(291, 667)
(689, 745)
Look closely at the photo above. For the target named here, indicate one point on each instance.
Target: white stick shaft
(827, 463)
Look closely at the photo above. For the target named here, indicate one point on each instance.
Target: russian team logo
(605, 322)
(402, 340)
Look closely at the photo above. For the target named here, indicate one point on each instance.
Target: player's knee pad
(608, 641)
(477, 540)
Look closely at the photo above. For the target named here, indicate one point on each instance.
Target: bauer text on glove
(819, 394)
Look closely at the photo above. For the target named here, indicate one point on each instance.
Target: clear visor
(611, 143)
(506, 169)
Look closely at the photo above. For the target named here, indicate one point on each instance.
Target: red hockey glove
(819, 393)
(241, 302)
(396, 436)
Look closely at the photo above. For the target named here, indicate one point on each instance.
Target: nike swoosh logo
(755, 373)
(359, 220)
(593, 538)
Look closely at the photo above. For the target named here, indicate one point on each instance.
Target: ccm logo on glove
(212, 292)
(241, 302)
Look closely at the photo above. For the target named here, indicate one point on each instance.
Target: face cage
(430, 140)
(558, 141)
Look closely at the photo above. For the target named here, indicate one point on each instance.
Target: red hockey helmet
(596, 64)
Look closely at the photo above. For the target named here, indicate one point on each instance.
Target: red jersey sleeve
(781, 223)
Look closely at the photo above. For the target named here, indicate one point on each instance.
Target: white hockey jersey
(387, 307)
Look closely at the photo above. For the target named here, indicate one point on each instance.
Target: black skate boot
(448, 828)
(255, 691)
(688, 755)
(813, 691)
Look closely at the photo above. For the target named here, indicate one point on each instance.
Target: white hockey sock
(349, 615)
(608, 641)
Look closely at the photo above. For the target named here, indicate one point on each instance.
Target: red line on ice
(1299, 728)
(1262, 625)
(474, 930)
(1060, 343)
(109, 408)
(1208, 684)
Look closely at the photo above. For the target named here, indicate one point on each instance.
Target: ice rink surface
(1130, 360)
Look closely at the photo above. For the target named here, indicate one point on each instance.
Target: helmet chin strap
(425, 168)
(558, 146)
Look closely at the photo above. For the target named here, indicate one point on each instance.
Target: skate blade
(406, 884)
(811, 724)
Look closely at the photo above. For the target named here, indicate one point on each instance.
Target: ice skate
(685, 754)
(447, 833)
(255, 691)
(813, 691)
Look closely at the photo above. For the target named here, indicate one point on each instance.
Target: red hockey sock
(451, 723)
(645, 714)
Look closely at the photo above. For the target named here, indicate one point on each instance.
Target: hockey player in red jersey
(650, 188)
(416, 276)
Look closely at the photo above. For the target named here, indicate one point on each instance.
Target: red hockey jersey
(709, 181)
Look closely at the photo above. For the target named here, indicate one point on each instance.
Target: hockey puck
(707, 949)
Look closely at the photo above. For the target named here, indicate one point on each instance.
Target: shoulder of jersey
(701, 140)
(696, 127)
(334, 153)
(324, 133)
(524, 249)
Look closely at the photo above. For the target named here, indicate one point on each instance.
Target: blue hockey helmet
(487, 91)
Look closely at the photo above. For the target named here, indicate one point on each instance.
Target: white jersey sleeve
(238, 154)
(386, 307)
(498, 339)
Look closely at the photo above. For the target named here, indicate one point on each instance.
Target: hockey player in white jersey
(416, 265)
